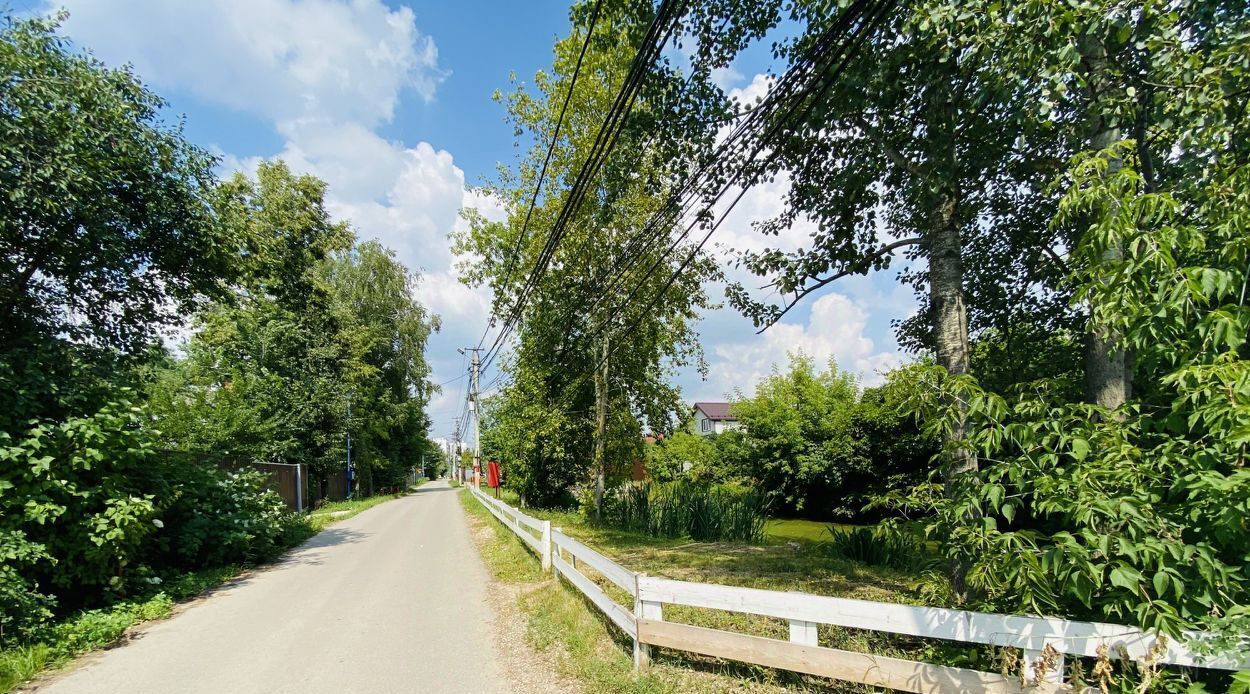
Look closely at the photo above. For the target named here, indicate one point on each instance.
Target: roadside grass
(92, 629)
(783, 530)
(562, 621)
(794, 557)
(507, 558)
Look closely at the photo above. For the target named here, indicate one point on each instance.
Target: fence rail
(1044, 641)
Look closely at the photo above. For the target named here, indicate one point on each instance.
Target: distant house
(713, 418)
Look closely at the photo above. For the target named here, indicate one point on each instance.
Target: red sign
(492, 473)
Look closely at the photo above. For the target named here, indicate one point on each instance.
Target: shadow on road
(332, 536)
(428, 489)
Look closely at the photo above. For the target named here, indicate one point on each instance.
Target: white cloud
(835, 330)
(725, 77)
(325, 74)
(753, 92)
(282, 59)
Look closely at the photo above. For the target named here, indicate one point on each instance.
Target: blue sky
(391, 104)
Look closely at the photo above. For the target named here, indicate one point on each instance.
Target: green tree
(317, 323)
(689, 455)
(797, 429)
(386, 330)
(596, 372)
(266, 374)
(1133, 514)
(106, 235)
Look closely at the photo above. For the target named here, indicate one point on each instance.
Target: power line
(805, 78)
(658, 34)
(860, 19)
(551, 148)
(790, 101)
(450, 380)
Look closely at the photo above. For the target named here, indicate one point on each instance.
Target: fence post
(546, 542)
(299, 488)
(803, 632)
(643, 609)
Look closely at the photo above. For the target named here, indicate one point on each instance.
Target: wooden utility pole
(456, 473)
(476, 411)
(601, 424)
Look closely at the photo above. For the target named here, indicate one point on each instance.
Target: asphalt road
(387, 601)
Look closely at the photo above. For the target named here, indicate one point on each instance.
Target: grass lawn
(792, 560)
(92, 629)
(780, 531)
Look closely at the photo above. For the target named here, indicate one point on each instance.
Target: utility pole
(475, 406)
(349, 446)
(457, 473)
(475, 411)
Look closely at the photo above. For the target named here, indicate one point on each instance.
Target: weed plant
(706, 513)
(876, 547)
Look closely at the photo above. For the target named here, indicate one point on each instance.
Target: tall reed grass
(878, 547)
(702, 512)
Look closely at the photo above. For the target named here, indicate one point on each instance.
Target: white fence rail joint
(802, 653)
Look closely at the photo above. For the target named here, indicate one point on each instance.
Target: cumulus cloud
(326, 74)
(835, 330)
(283, 59)
(753, 92)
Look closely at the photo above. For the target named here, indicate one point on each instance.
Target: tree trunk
(601, 426)
(950, 318)
(946, 271)
(946, 300)
(1108, 379)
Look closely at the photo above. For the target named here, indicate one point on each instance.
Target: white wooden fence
(1041, 639)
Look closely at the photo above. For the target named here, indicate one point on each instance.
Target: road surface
(390, 600)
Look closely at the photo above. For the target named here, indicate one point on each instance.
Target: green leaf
(1126, 577)
(1080, 449)
(1161, 583)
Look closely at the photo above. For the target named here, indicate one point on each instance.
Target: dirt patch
(528, 670)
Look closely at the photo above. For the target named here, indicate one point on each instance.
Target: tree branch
(892, 154)
(1054, 257)
(822, 282)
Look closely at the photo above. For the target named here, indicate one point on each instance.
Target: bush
(22, 606)
(683, 509)
(898, 550)
(220, 517)
(75, 512)
(88, 510)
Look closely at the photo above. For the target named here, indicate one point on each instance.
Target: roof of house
(716, 410)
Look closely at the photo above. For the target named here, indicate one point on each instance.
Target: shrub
(220, 517)
(87, 509)
(22, 606)
(877, 547)
(75, 512)
(683, 509)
